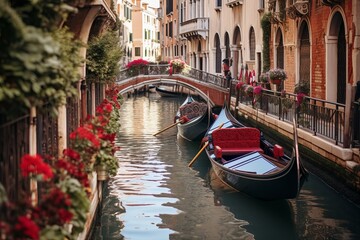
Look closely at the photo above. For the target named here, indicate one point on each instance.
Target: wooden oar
(197, 155)
(202, 149)
(166, 128)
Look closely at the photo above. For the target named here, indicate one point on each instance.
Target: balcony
(234, 3)
(298, 9)
(194, 28)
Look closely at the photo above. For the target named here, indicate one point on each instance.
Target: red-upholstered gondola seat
(234, 141)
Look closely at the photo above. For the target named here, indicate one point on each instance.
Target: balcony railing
(234, 3)
(194, 28)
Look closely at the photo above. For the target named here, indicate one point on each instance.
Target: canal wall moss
(338, 167)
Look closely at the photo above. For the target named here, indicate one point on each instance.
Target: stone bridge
(204, 84)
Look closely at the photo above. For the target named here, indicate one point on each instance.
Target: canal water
(156, 196)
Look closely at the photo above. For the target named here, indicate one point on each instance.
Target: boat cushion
(278, 151)
(234, 141)
(193, 109)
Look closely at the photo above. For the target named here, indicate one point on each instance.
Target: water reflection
(155, 195)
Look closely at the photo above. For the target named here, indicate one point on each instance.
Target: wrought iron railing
(14, 143)
(318, 116)
(47, 133)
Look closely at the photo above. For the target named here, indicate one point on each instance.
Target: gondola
(193, 118)
(166, 93)
(244, 160)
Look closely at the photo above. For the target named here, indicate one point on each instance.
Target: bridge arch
(207, 90)
(166, 81)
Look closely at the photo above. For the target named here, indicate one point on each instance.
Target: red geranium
(35, 165)
(257, 90)
(26, 228)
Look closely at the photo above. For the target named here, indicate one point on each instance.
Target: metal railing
(14, 143)
(315, 115)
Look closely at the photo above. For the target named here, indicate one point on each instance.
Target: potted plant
(249, 90)
(264, 78)
(277, 75)
(177, 65)
(302, 87)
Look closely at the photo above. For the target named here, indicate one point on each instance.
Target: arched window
(304, 68)
(227, 45)
(217, 54)
(252, 43)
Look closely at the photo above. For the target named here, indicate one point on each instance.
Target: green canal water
(156, 196)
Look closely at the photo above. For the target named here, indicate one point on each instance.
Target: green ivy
(266, 27)
(103, 57)
(37, 67)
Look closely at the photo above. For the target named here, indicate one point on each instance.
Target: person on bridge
(226, 66)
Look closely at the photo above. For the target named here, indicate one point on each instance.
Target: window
(252, 43)
(130, 37)
(170, 29)
(169, 6)
(218, 3)
(137, 51)
(261, 4)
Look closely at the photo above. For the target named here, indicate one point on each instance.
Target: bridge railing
(163, 69)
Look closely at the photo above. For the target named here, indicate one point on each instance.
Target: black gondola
(167, 93)
(194, 119)
(244, 160)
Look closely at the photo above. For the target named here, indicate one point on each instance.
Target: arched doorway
(217, 54)
(304, 53)
(336, 60)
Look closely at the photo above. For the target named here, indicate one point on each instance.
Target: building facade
(124, 11)
(145, 25)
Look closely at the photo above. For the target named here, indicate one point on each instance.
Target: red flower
(257, 90)
(72, 154)
(300, 98)
(239, 85)
(27, 227)
(65, 216)
(35, 165)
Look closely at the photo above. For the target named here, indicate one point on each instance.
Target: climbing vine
(266, 27)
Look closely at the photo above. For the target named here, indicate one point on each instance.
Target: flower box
(277, 75)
